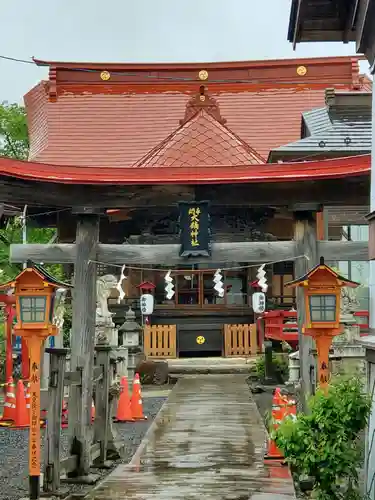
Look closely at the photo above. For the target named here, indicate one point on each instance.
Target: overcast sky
(143, 31)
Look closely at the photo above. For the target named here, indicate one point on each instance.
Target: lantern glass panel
(33, 309)
(323, 308)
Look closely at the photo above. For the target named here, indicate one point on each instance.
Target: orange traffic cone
(22, 418)
(289, 409)
(136, 400)
(277, 397)
(292, 408)
(92, 411)
(124, 413)
(27, 397)
(10, 402)
(273, 452)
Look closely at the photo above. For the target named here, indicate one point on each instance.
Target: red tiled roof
(201, 141)
(77, 119)
(269, 172)
(366, 83)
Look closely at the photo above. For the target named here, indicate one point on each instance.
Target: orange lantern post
(322, 289)
(37, 294)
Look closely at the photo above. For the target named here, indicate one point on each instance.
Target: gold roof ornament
(301, 70)
(105, 75)
(203, 74)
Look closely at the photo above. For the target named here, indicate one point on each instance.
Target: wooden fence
(103, 443)
(240, 340)
(160, 341)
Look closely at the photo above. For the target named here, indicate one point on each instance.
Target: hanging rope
(163, 269)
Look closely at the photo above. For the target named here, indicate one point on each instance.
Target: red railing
(362, 318)
(282, 325)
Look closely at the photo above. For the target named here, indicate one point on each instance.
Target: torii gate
(87, 251)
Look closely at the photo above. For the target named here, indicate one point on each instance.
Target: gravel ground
(14, 451)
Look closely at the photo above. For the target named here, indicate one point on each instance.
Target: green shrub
(279, 366)
(324, 443)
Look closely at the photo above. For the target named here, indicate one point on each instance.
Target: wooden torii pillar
(305, 235)
(83, 337)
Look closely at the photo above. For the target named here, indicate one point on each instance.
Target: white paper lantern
(259, 302)
(147, 304)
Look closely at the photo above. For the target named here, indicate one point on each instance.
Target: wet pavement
(207, 443)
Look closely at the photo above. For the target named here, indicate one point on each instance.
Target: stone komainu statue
(349, 300)
(104, 285)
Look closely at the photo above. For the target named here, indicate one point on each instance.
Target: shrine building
(194, 168)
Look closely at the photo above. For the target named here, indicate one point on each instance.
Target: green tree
(14, 140)
(11, 234)
(14, 143)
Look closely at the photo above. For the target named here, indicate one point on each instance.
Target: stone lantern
(129, 337)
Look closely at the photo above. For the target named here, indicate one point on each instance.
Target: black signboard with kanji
(195, 229)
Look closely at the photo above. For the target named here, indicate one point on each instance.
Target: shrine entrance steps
(207, 442)
(209, 365)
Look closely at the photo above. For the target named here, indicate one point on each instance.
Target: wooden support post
(305, 237)
(326, 223)
(102, 410)
(83, 341)
(52, 447)
(260, 331)
(320, 226)
(269, 375)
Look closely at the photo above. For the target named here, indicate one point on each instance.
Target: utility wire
(14, 59)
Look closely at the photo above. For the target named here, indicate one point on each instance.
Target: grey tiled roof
(334, 130)
(316, 120)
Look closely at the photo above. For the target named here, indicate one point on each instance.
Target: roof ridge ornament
(52, 83)
(202, 101)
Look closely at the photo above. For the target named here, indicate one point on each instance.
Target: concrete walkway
(207, 443)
